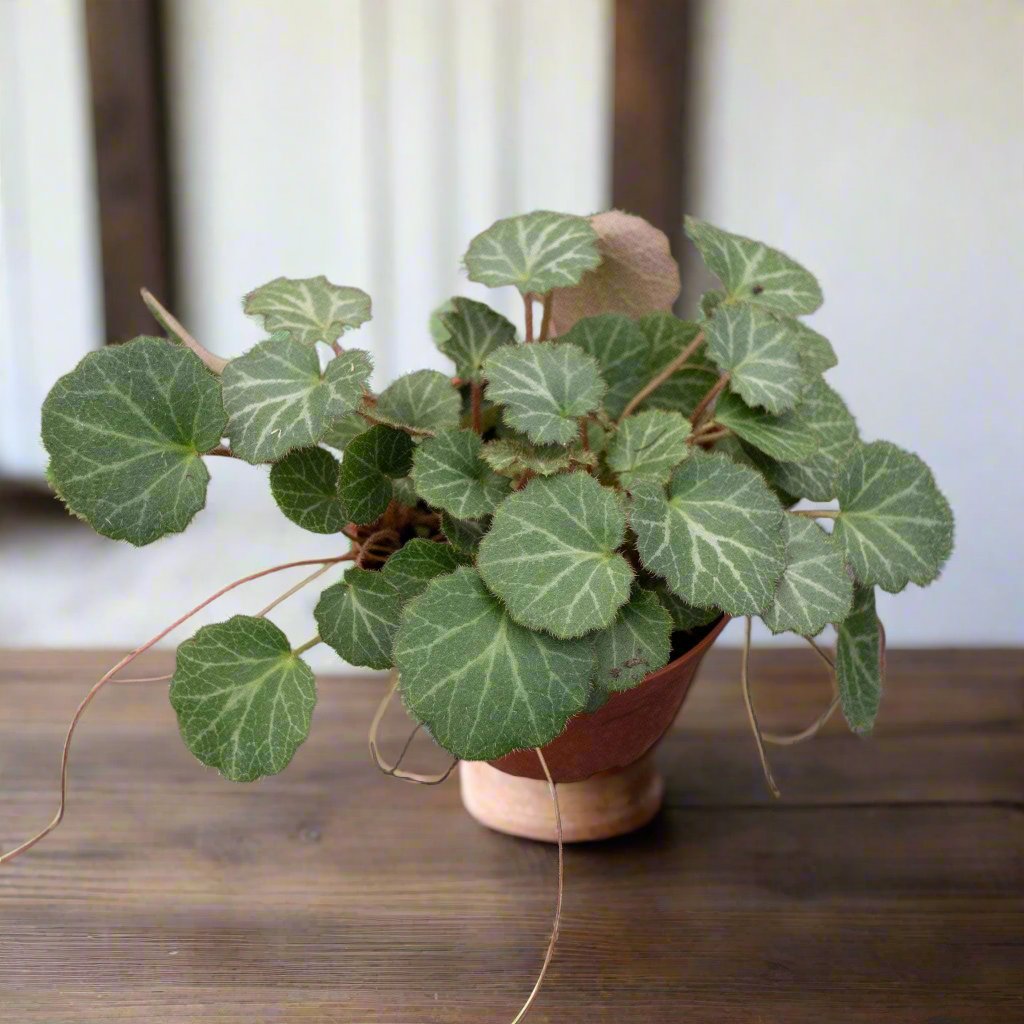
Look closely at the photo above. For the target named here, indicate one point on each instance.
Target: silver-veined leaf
(754, 273)
(545, 387)
(372, 461)
(449, 473)
(482, 684)
(243, 700)
(535, 252)
(860, 662)
(359, 616)
(464, 534)
(551, 555)
(125, 430)
(816, 352)
(277, 399)
(716, 537)
(761, 354)
(815, 588)
(787, 437)
(343, 429)
(472, 332)
(512, 457)
(638, 642)
(894, 524)
(622, 353)
(417, 562)
(648, 446)
(424, 400)
(305, 486)
(310, 309)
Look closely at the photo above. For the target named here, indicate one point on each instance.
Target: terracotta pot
(607, 783)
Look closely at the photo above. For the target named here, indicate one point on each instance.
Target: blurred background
(202, 147)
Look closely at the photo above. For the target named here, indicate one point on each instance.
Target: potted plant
(544, 544)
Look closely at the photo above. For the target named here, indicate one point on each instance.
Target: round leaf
(449, 474)
(358, 617)
(372, 460)
(276, 398)
(648, 446)
(512, 457)
(638, 642)
(310, 309)
(716, 538)
(423, 400)
(761, 354)
(551, 555)
(463, 534)
(305, 486)
(621, 351)
(787, 437)
(894, 524)
(860, 662)
(243, 700)
(754, 273)
(482, 684)
(124, 431)
(535, 252)
(545, 387)
(815, 588)
(417, 562)
(472, 331)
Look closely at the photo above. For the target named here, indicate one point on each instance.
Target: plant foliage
(536, 531)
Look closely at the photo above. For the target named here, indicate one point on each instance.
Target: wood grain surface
(886, 886)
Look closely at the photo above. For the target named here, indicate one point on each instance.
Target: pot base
(605, 805)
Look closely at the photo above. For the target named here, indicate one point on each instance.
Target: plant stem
(172, 327)
(817, 513)
(528, 307)
(711, 395)
(822, 719)
(584, 436)
(545, 320)
(745, 686)
(302, 648)
(709, 436)
(124, 662)
(475, 406)
(663, 375)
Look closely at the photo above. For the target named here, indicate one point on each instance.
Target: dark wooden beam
(653, 40)
(126, 78)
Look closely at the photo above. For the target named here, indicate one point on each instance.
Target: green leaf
(551, 555)
(685, 618)
(124, 431)
(473, 332)
(511, 457)
(435, 323)
(417, 562)
(359, 616)
(816, 352)
(754, 273)
(648, 446)
(815, 588)
(404, 492)
(710, 301)
(860, 662)
(310, 309)
(622, 354)
(276, 398)
(787, 437)
(243, 700)
(761, 355)
(667, 336)
(343, 429)
(816, 477)
(638, 642)
(717, 537)
(894, 524)
(535, 252)
(464, 534)
(305, 486)
(545, 387)
(372, 460)
(449, 474)
(424, 400)
(482, 684)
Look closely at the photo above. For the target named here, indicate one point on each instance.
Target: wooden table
(886, 886)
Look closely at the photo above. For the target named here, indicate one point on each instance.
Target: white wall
(882, 144)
